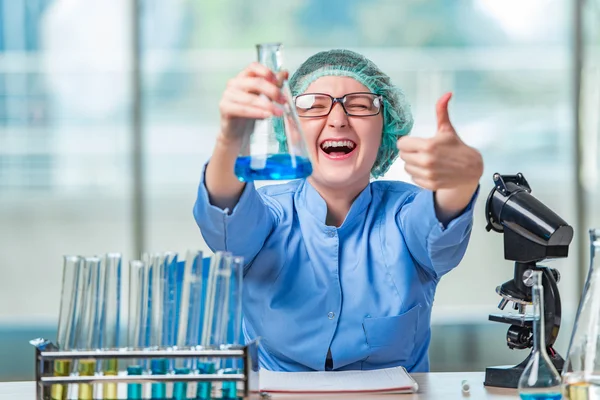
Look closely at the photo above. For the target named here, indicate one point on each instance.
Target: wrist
(468, 187)
(227, 144)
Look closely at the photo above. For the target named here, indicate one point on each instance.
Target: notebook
(388, 380)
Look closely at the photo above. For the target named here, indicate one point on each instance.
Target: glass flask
(540, 379)
(275, 147)
(581, 373)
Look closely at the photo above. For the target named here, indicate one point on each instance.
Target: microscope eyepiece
(532, 231)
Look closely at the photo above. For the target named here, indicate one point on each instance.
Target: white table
(435, 385)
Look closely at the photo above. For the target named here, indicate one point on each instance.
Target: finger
(281, 76)
(258, 70)
(417, 172)
(413, 144)
(418, 159)
(244, 111)
(260, 86)
(421, 177)
(443, 119)
(251, 99)
(425, 184)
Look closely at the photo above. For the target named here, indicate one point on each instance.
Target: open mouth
(338, 148)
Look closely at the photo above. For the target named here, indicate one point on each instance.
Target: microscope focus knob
(528, 277)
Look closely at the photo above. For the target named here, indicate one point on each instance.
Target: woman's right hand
(248, 97)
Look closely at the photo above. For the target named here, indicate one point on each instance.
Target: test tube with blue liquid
(159, 318)
(220, 300)
(209, 339)
(68, 320)
(138, 328)
(231, 297)
(189, 320)
(171, 295)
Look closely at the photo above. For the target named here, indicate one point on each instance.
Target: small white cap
(465, 386)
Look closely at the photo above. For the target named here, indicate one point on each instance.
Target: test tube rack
(45, 357)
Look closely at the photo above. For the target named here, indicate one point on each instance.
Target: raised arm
(233, 216)
(248, 97)
(438, 220)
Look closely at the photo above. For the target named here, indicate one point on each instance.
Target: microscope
(532, 233)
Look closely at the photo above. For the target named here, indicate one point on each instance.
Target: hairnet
(397, 117)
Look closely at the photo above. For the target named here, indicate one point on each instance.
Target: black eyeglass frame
(341, 101)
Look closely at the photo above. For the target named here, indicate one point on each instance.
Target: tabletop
(435, 385)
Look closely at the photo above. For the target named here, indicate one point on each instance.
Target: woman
(340, 271)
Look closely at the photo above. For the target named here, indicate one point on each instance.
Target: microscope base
(508, 376)
(503, 376)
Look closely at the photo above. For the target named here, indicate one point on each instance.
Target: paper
(388, 380)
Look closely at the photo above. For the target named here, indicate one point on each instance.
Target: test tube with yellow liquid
(88, 334)
(68, 320)
(110, 319)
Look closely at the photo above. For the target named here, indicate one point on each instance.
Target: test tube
(111, 318)
(156, 304)
(207, 366)
(232, 323)
(169, 316)
(170, 301)
(138, 326)
(215, 319)
(189, 319)
(69, 314)
(89, 330)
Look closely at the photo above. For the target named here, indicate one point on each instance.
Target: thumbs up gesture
(443, 163)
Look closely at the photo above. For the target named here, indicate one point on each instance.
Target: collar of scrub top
(312, 201)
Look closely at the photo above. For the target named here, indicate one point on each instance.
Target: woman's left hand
(443, 164)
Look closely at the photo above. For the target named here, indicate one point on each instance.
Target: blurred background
(109, 109)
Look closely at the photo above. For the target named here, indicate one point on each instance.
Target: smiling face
(343, 148)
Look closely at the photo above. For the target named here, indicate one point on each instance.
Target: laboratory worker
(341, 269)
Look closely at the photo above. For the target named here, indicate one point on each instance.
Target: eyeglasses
(360, 104)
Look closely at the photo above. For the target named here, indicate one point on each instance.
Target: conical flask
(581, 372)
(275, 148)
(539, 379)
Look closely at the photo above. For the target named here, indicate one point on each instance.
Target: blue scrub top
(364, 290)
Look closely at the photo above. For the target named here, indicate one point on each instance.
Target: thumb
(443, 119)
(282, 76)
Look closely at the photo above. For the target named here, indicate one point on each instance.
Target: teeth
(338, 143)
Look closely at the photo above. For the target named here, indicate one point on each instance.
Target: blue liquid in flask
(541, 396)
(277, 166)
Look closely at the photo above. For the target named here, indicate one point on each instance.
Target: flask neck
(539, 340)
(270, 55)
(594, 246)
